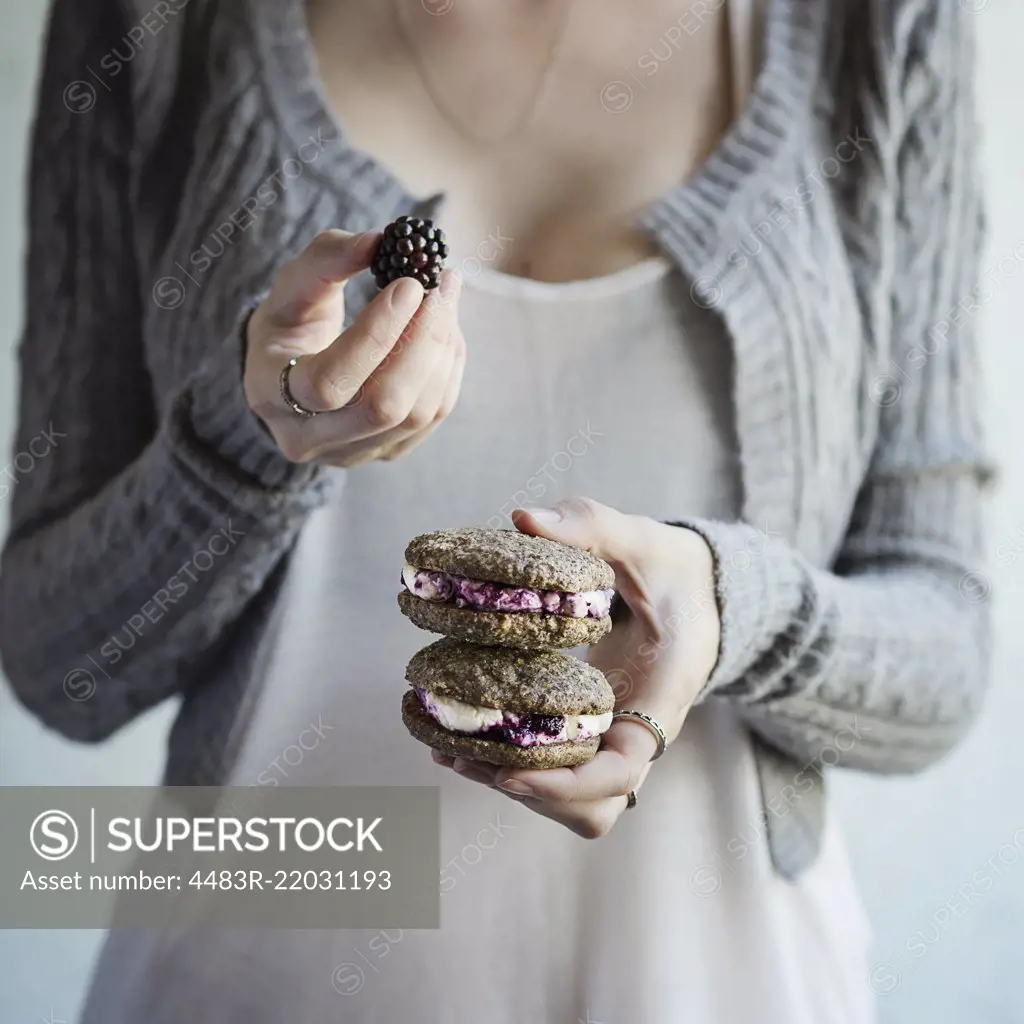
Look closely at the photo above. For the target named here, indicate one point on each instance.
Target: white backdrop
(915, 842)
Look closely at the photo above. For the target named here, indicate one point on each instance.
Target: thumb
(582, 523)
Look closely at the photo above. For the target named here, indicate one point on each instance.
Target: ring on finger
(651, 724)
(286, 392)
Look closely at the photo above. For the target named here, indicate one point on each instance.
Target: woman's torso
(618, 388)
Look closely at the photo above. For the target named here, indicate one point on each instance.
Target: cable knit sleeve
(890, 646)
(114, 584)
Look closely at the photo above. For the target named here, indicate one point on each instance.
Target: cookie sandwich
(528, 709)
(506, 588)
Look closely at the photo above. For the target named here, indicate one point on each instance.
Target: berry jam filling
(480, 595)
(520, 729)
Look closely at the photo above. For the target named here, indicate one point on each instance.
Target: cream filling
(573, 605)
(457, 716)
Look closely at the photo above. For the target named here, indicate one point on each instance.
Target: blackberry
(547, 725)
(411, 247)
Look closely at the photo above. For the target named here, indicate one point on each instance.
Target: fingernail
(406, 296)
(517, 787)
(545, 516)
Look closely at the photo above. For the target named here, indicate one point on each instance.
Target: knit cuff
(760, 586)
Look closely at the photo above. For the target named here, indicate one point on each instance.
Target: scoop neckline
(781, 90)
(637, 276)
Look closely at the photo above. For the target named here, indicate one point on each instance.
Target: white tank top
(618, 388)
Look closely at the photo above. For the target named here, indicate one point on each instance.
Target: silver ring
(286, 393)
(652, 725)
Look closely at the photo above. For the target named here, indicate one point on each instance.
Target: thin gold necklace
(442, 107)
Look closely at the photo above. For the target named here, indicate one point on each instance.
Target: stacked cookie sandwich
(496, 688)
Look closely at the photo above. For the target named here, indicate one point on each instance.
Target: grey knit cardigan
(181, 157)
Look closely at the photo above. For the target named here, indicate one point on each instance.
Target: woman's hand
(657, 660)
(382, 385)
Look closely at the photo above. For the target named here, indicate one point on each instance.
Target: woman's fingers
(434, 323)
(620, 766)
(330, 379)
(624, 541)
(591, 821)
(605, 776)
(583, 523)
(429, 410)
(364, 441)
(407, 388)
(384, 447)
(380, 386)
(475, 771)
(435, 407)
(359, 432)
(451, 394)
(381, 365)
(587, 799)
(309, 287)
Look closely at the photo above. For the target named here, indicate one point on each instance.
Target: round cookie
(508, 556)
(538, 683)
(541, 682)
